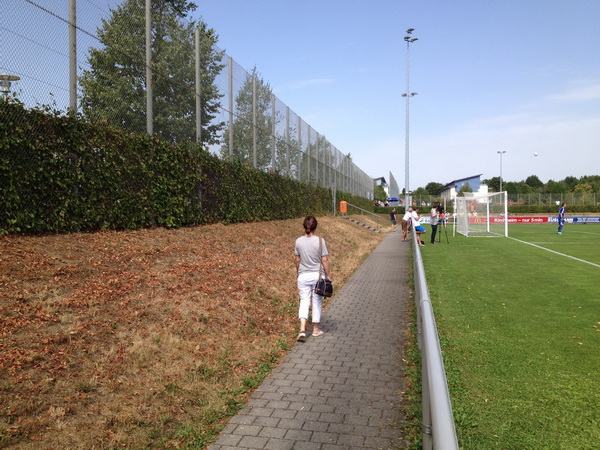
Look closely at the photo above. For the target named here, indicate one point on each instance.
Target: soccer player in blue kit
(561, 217)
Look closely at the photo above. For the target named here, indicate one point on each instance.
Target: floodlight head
(5, 81)
(410, 30)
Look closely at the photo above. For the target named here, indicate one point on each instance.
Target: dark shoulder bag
(324, 286)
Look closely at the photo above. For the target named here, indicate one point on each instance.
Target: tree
(555, 187)
(466, 188)
(593, 180)
(571, 182)
(379, 193)
(420, 192)
(243, 128)
(584, 187)
(534, 182)
(511, 187)
(493, 184)
(114, 88)
(523, 188)
(434, 188)
(255, 98)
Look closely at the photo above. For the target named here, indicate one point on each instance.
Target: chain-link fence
(536, 199)
(91, 57)
(571, 198)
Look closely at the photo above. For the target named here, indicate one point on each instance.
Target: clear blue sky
(520, 76)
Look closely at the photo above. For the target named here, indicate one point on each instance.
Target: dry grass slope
(148, 338)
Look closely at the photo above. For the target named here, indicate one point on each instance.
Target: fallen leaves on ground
(148, 337)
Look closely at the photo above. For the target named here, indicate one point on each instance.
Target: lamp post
(5, 82)
(501, 153)
(407, 94)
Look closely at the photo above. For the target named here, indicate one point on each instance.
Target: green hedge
(59, 174)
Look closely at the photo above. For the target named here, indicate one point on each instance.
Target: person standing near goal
(561, 217)
(434, 221)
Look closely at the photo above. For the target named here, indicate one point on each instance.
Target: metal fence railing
(76, 56)
(537, 199)
(438, 421)
(571, 198)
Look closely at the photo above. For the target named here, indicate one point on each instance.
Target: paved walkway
(341, 390)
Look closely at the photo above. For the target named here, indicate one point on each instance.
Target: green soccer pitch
(519, 324)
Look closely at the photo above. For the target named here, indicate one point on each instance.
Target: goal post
(482, 215)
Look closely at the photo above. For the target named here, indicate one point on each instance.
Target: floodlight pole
(409, 40)
(5, 82)
(501, 153)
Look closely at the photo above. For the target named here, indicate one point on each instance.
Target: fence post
(230, 78)
(299, 168)
(73, 56)
(149, 93)
(287, 141)
(254, 121)
(317, 165)
(273, 140)
(198, 88)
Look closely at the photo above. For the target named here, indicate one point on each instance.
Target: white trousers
(306, 284)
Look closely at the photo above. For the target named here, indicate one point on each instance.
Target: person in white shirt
(416, 221)
(434, 221)
(310, 253)
(405, 222)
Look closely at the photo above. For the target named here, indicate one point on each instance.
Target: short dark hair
(310, 224)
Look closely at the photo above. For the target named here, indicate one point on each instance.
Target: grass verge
(519, 328)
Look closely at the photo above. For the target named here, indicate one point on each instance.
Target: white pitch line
(558, 253)
(585, 232)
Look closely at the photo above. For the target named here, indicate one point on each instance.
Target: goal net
(482, 215)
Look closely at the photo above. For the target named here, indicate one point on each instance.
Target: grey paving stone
(340, 391)
(252, 442)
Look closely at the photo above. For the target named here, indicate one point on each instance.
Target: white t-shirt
(415, 219)
(307, 247)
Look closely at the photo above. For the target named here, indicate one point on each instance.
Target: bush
(60, 174)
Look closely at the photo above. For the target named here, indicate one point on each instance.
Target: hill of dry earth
(148, 338)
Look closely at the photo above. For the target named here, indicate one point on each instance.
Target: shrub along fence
(59, 174)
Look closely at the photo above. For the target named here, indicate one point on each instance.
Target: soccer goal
(482, 215)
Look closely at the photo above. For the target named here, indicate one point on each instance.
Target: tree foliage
(62, 174)
(434, 188)
(466, 188)
(114, 88)
(380, 194)
(252, 124)
(534, 182)
(258, 139)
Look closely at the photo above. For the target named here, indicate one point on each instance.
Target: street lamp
(5, 82)
(501, 153)
(407, 94)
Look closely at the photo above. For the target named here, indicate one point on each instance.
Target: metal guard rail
(438, 421)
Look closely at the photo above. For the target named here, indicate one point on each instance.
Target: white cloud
(581, 91)
(311, 83)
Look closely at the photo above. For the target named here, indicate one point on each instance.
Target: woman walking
(310, 254)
